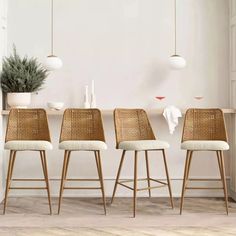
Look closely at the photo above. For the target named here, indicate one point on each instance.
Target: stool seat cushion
(34, 145)
(140, 145)
(207, 145)
(83, 145)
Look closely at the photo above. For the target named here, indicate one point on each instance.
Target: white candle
(92, 86)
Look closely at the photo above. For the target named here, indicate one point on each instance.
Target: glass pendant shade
(53, 63)
(177, 62)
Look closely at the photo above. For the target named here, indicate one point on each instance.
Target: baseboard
(123, 192)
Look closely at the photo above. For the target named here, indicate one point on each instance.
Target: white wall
(124, 45)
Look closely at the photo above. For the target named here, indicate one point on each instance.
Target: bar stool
(134, 133)
(27, 130)
(82, 130)
(204, 130)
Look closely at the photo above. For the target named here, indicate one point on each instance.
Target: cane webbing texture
(82, 124)
(27, 124)
(204, 124)
(132, 125)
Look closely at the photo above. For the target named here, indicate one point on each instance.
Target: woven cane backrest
(27, 124)
(131, 125)
(204, 124)
(82, 124)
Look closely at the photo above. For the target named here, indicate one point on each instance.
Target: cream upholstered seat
(207, 145)
(34, 145)
(86, 145)
(141, 145)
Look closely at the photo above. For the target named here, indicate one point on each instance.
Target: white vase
(93, 101)
(18, 100)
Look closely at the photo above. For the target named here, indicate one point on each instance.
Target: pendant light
(176, 61)
(52, 62)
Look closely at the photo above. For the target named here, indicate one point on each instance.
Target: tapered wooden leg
(219, 164)
(148, 173)
(67, 164)
(135, 183)
(62, 179)
(118, 175)
(224, 181)
(13, 162)
(189, 164)
(45, 171)
(8, 180)
(99, 168)
(184, 181)
(168, 178)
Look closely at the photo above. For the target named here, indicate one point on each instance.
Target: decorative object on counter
(20, 77)
(160, 97)
(171, 114)
(55, 105)
(176, 61)
(199, 97)
(93, 97)
(52, 62)
(86, 99)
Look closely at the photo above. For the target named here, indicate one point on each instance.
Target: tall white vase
(93, 101)
(86, 100)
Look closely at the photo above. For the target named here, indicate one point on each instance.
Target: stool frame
(32, 124)
(133, 124)
(91, 121)
(204, 124)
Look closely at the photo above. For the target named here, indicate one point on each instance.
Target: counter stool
(82, 130)
(204, 130)
(27, 130)
(134, 133)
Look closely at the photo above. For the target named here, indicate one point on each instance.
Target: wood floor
(80, 216)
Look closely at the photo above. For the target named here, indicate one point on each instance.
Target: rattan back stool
(27, 130)
(134, 133)
(204, 130)
(82, 130)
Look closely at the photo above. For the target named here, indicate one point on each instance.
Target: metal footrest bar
(122, 183)
(82, 187)
(82, 180)
(27, 180)
(141, 189)
(158, 181)
(28, 188)
(204, 180)
(210, 188)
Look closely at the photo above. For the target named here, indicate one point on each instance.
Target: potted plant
(20, 77)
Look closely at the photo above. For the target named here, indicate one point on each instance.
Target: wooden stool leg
(184, 181)
(9, 175)
(45, 172)
(148, 173)
(65, 164)
(189, 164)
(224, 181)
(168, 178)
(219, 164)
(118, 175)
(99, 169)
(135, 183)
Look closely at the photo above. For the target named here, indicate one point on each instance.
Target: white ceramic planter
(18, 100)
